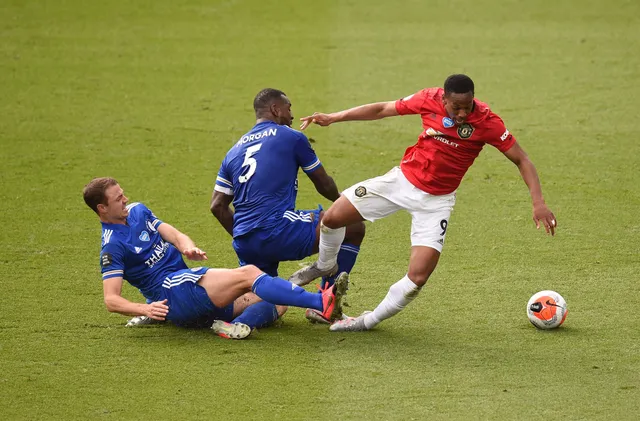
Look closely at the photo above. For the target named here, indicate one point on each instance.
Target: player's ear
(274, 109)
(101, 207)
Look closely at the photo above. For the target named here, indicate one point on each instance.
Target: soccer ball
(547, 310)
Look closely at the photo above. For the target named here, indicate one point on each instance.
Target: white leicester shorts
(381, 196)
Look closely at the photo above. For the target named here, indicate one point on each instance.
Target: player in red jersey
(456, 126)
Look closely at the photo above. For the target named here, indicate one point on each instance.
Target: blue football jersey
(137, 252)
(260, 171)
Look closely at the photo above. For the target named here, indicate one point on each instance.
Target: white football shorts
(379, 197)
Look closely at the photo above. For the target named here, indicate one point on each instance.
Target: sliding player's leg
(223, 286)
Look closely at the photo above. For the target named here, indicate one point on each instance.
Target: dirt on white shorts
(381, 196)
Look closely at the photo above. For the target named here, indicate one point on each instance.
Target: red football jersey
(444, 152)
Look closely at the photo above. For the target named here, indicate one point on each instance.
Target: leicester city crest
(144, 236)
(465, 131)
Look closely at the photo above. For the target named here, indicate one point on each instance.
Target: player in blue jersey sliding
(139, 247)
(259, 176)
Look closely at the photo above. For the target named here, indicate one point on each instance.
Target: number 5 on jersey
(251, 162)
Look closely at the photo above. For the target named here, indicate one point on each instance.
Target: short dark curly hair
(458, 84)
(265, 98)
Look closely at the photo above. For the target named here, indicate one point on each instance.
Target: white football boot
(309, 273)
(143, 321)
(350, 324)
(230, 330)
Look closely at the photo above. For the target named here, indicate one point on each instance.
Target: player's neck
(108, 220)
(264, 120)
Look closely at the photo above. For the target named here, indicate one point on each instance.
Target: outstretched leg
(223, 286)
(422, 263)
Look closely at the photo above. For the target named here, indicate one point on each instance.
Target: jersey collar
(116, 227)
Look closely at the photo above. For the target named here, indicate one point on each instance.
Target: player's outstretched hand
(541, 213)
(194, 253)
(318, 118)
(157, 310)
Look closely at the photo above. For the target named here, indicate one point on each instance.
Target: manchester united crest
(361, 191)
(465, 131)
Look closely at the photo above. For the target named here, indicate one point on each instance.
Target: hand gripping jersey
(137, 252)
(444, 152)
(260, 171)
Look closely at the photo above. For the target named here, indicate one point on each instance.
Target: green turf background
(154, 93)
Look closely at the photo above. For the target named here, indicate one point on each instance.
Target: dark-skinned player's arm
(116, 303)
(324, 184)
(541, 213)
(374, 111)
(220, 208)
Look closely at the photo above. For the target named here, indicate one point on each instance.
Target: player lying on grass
(140, 248)
(455, 128)
(259, 175)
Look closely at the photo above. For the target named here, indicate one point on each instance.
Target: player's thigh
(373, 199)
(189, 304)
(430, 221)
(223, 286)
(342, 213)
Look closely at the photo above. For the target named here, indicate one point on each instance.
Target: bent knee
(281, 310)
(250, 271)
(330, 220)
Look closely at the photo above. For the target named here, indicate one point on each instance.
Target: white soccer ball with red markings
(547, 310)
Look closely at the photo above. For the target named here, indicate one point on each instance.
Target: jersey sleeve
(498, 135)
(305, 155)
(151, 218)
(112, 261)
(425, 101)
(223, 180)
(412, 104)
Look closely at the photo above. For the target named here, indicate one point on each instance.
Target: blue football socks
(280, 292)
(258, 315)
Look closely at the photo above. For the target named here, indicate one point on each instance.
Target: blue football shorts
(189, 304)
(292, 238)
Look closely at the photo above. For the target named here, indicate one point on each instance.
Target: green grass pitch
(153, 93)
